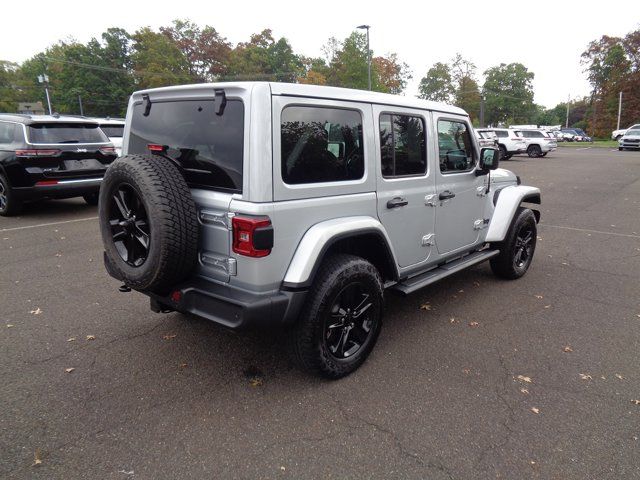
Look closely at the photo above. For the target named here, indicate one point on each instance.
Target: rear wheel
(620, 149)
(503, 153)
(341, 319)
(544, 154)
(534, 151)
(91, 198)
(9, 205)
(518, 247)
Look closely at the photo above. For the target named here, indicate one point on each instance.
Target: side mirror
(489, 159)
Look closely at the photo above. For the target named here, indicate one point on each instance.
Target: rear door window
(52, 133)
(209, 147)
(403, 145)
(115, 131)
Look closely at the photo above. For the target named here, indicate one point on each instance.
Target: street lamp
(44, 78)
(366, 27)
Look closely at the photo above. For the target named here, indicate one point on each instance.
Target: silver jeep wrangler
(270, 204)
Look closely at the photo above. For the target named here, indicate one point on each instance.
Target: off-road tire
(504, 265)
(91, 198)
(172, 221)
(306, 338)
(534, 151)
(504, 155)
(9, 204)
(544, 154)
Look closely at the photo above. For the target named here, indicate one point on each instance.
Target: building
(31, 108)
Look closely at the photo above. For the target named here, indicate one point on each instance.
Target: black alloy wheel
(129, 225)
(3, 197)
(349, 322)
(534, 151)
(523, 246)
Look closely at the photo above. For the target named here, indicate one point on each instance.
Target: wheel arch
(508, 201)
(361, 236)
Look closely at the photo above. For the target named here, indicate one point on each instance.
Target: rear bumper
(227, 305)
(63, 189)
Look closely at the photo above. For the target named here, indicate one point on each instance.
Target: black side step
(412, 284)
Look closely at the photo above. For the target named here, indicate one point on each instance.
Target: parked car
(114, 129)
(509, 142)
(44, 156)
(297, 206)
(583, 134)
(539, 142)
(486, 138)
(617, 134)
(577, 134)
(631, 139)
(558, 135)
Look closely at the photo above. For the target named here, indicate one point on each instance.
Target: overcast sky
(546, 36)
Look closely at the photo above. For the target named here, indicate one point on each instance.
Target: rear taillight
(39, 152)
(108, 150)
(252, 236)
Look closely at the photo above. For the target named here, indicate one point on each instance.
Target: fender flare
(319, 238)
(509, 199)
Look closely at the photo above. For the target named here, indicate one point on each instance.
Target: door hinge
(480, 223)
(428, 240)
(430, 200)
(220, 218)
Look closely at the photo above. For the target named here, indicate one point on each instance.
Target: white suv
(539, 142)
(510, 142)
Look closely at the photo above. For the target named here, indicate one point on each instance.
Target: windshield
(113, 130)
(66, 133)
(208, 146)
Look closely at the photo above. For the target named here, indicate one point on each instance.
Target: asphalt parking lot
(472, 378)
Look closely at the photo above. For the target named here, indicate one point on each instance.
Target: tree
(8, 91)
(467, 93)
(392, 74)
(157, 61)
(437, 85)
(264, 58)
(348, 64)
(508, 92)
(205, 49)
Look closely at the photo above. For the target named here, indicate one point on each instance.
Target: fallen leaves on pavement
(538, 296)
(169, 336)
(535, 410)
(36, 458)
(91, 337)
(567, 349)
(635, 402)
(522, 378)
(585, 376)
(37, 311)
(9, 325)
(524, 390)
(71, 339)
(620, 377)
(474, 324)
(69, 370)
(425, 306)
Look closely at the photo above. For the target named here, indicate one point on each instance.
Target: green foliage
(437, 85)
(613, 66)
(8, 93)
(508, 94)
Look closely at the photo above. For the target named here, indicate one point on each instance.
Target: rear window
(115, 131)
(501, 133)
(66, 133)
(208, 146)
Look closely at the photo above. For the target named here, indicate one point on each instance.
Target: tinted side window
(455, 147)
(501, 133)
(7, 133)
(321, 144)
(403, 146)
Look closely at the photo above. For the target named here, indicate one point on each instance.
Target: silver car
(297, 207)
(631, 139)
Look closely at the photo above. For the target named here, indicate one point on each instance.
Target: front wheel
(518, 247)
(620, 149)
(340, 321)
(534, 151)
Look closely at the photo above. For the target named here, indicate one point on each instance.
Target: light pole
(44, 78)
(366, 27)
(566, 125)
(619, 110)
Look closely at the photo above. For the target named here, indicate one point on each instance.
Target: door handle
(397, 202)
(446, 195)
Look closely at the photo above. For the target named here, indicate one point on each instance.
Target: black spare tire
(148, 222)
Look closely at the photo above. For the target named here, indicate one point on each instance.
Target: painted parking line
(591, 231)
(584, 148)
(47, 224)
